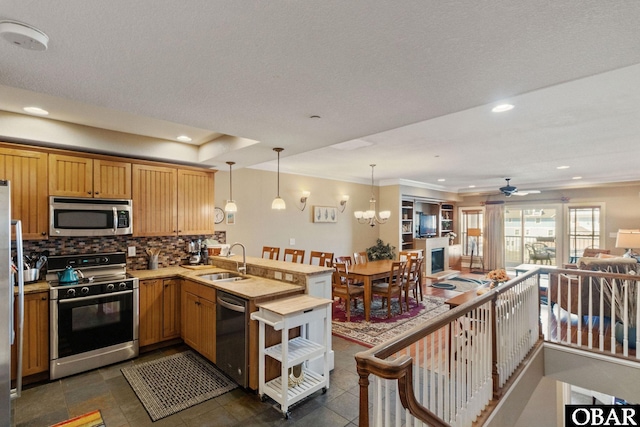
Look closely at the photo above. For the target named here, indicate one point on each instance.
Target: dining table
(367, 273)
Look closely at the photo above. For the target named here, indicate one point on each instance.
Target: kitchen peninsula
(171, 297)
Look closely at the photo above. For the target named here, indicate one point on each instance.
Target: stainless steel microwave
(89, 217)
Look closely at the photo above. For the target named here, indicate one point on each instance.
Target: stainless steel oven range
(93, 312)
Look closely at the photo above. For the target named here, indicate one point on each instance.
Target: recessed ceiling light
(563, 167)
(472, 186)
(502, 108)
(577, 177)
(441, 180)
(36, 110)
(183, 138)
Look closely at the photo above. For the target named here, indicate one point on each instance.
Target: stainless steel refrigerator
(10, 331)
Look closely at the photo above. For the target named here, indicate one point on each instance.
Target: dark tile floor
(106, 389)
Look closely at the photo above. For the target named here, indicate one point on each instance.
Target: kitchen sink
(223, 277)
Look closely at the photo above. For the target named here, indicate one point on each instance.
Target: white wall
(258, 225)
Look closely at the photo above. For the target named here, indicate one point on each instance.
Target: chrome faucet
(242, 269)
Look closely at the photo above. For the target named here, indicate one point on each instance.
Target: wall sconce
(343, 202)
(303, 199)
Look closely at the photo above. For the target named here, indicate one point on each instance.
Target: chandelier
(369, 216)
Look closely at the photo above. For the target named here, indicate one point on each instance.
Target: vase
(619, 333)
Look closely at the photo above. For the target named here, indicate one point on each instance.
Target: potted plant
(381, 251)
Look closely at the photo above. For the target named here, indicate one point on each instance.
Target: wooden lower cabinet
(159, 310)
(199, 318)
(35, 348)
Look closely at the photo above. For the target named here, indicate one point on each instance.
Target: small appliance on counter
(194, 248)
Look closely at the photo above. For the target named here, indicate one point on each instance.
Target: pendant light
(370, 217)
(231, 204)
(278, 203)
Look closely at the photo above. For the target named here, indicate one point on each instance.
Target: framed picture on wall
(325, 214)
(231, 218)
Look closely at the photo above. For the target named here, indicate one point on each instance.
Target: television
(427, 225)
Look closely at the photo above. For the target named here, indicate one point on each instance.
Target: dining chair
(294, 255)
(325, 259)
(344, 288)
(270, 252)
(360, 257)
(405, 255)
(392, 287)
(345, 258)
(413, 281)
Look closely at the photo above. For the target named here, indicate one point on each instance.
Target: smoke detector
(24, 35)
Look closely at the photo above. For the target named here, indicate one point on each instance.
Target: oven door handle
(62, 301)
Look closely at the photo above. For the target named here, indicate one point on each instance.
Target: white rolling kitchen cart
(285, 314)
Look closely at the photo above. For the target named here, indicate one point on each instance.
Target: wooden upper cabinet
(27, 171)
(111, 180)
(195, 202)
(155, 200)
(73, 176)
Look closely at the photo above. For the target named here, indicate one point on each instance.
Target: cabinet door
(111, 180)
(208, 329)
(35, 348)
(170, 308)
(154, 201)
(150, 312)
(190, 320)
(27, 171)
(195, 202)
(70, 176)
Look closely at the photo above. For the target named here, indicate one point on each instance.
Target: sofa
(571, 282)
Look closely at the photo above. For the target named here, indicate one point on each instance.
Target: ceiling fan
(510, 190)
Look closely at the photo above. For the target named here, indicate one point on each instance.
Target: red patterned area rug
(380, 329)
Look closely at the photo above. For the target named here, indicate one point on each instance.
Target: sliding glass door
(530, 235)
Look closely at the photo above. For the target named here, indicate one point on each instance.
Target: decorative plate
(219, 215)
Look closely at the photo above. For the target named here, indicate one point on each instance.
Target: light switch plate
(131, 251)
(277, 275)
(292, 241)
(288, 277)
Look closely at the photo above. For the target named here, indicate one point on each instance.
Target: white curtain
(494, 236)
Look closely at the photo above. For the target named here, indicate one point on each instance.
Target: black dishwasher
(232, 337)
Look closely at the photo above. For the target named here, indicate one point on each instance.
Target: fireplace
(436, 254)
(437, 260)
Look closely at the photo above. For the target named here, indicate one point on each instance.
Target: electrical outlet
(131, 251)
(292, 241)
(277, 275)
(288, 277)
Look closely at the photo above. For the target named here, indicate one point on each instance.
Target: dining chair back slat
(270, 252)
(360, 257)
(294, 255)
(323, 259)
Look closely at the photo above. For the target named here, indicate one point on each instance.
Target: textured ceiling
(416, 79)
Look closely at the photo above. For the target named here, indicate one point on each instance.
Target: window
(471, 218)
(584, 230)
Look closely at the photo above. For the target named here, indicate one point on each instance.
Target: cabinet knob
(44, 233)
(43, 298)
(97, 192)
(88, 192)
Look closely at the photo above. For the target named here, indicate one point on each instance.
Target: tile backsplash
(173, 248)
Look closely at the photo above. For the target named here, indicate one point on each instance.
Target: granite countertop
(33, 288)
(285, 266)
(252, 288)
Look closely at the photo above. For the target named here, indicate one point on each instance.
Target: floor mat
(176, 382)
